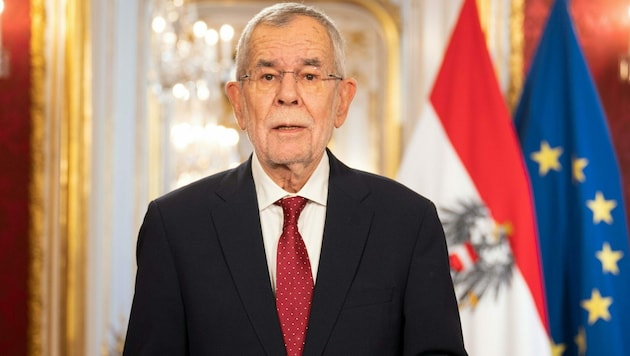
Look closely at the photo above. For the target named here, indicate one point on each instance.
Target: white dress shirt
(310, 222)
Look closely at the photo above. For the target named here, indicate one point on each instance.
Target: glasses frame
(281, 74)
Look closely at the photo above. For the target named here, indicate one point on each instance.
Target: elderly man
(292, 252)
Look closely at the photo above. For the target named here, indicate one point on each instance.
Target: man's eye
(268, 77)
(309, 77)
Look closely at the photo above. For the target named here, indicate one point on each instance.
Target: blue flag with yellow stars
(578, 197)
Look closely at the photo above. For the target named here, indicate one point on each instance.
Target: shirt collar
(268, 192)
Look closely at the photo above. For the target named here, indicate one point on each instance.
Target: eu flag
(578, 198)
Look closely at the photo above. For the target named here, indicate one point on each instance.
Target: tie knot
(292, 207)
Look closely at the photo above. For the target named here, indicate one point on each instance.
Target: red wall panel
(15, 168)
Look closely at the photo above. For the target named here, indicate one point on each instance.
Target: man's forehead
(297, 46)
(304, 31)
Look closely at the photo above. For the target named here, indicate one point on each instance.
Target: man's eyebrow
(265, 63)
(315, 62)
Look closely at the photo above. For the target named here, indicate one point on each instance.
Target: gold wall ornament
(503, 31)
(515, 71)
(76, 151)
(483, 8)
(517, 47)
(36, 184)
(61, 120)
(388, 16)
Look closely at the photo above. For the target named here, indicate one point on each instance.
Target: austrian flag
(464, 156)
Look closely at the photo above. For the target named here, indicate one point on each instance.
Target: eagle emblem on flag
(479, 251)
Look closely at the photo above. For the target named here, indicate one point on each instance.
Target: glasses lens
(266, 79)
(307, 79)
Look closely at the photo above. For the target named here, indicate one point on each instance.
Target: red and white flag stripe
(464, 148)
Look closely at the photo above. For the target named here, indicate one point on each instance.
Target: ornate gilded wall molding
(76, 124)
(61, 121)
(502, 23)
(388, 16)
(36, 188)
(517, 47)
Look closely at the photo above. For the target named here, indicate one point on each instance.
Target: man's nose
(288, 90)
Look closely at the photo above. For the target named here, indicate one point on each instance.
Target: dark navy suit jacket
(383, 285)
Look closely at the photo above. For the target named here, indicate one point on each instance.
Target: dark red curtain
(15, 168)
(603, 29)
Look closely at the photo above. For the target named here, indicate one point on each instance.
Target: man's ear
(234, 94)
(347, 89)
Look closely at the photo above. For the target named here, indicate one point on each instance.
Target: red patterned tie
(294, 279)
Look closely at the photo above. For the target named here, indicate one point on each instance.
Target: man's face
(289, 122)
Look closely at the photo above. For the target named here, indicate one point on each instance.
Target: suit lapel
(345, 234)
(238, 227)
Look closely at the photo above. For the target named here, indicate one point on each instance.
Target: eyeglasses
(308, 79)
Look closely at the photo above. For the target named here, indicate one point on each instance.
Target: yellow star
(557, 349)
(597, 307)
(601, 208)
(609, 259)
(580, 341)
(578, 169)
(547, 158)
